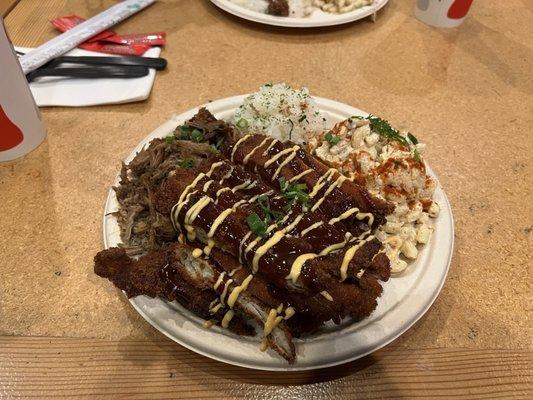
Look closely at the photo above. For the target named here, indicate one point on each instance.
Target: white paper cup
(442, 13)
(21, 128)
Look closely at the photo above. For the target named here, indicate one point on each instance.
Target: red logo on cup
(459, 9)
(10, 134)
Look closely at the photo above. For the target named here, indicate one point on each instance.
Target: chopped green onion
(270, 214)
(332, 140)
(294, 192)
(197, 136)
(412, 138)
(242, 123)
(186, 163)
(257, 226)
(170, 139)
(216, 146)
(185, 132)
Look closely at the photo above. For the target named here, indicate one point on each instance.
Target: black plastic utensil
(130, 71)
(150, 62)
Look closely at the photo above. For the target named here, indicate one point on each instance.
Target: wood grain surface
(466, 92)
(67, 368)
(6, 6)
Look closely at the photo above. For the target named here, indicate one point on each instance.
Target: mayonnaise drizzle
(311, 227)
(245, 159)
(220, 191)
(344, 215)
(206, 185)
(214, 309)
(360, 216)
(219, 280)
(232, 272)
(225, 291)
(243, 185)
(241, 140)
(293, 224)
(300, 175)
(280, 154)
(223, 215)
(334, 246)
(271, 322)
(287, 160)
(209, 324)
(226, 176)
(322, 181)
(184, 198)
(350, 253)
(214, 166)
(326, 295)
(297, 265)
(276, 237)
(273, 319)
(269, 147)
(254, 198)
(197, 253)
(195, 209)
(209, 246)
(241, 243)
(338, 183)
(174, 213)
(234, 295)
(227, 318)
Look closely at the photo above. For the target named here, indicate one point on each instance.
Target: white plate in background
(317, 18)
(405, 298)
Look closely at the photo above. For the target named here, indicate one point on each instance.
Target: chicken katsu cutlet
(244, 230)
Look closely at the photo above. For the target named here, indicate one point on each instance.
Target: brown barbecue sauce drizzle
(277, 236)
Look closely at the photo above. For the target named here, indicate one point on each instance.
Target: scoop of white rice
(281, 112)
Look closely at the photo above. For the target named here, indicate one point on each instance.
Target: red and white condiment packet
(111, 42)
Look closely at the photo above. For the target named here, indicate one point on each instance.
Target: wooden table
(466, 92)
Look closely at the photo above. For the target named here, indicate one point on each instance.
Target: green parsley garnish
(242, 123)
(257, 225)
(332, 140)
(412, 138)
(170, 139)
(186, 163)
(383, 128)
(294, 192)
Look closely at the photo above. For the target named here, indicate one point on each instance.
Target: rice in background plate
(281, 112)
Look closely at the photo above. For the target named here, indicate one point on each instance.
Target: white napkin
(57, 91)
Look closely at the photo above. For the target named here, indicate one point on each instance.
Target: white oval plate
(317, 18)
(405, 298)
